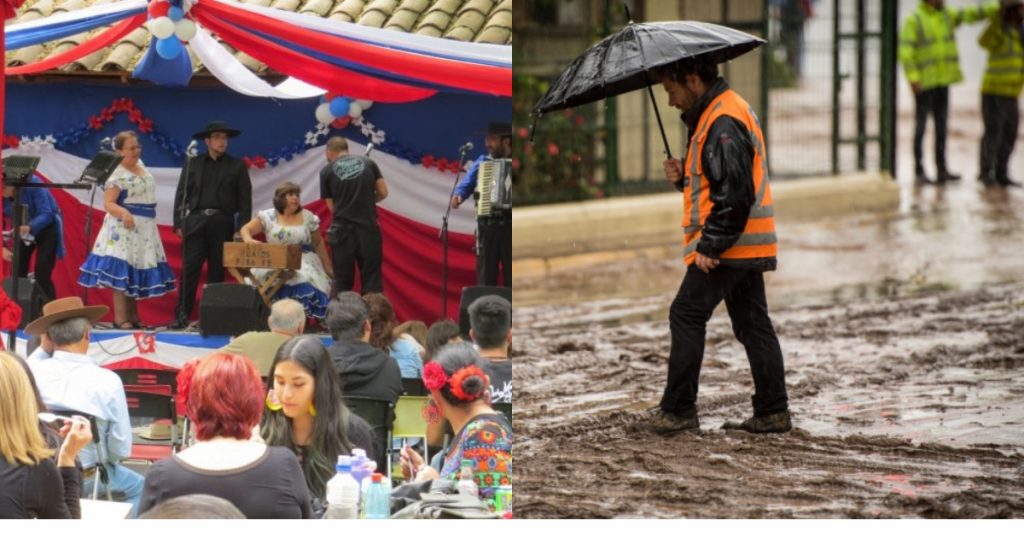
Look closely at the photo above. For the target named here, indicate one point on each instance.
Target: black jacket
(366, 371)
(233, 189)
(728, 160)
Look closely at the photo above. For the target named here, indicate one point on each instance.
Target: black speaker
(472, 293)
(31, 299)
(230, 309)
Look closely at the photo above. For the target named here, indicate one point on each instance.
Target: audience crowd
(268, 414)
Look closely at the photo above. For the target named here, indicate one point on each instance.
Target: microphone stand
(444, 236)
(88, 235)
(184, 235)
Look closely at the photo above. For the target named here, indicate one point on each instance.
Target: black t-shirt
(500, 373)
(272, 487)
(351, 181)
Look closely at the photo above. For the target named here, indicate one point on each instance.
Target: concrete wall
(599, 228)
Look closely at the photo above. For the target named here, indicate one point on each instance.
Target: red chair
(154, 407)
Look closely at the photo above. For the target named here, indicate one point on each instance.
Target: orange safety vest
(758, 238)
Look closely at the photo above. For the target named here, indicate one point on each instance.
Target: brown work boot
(666, 422)
(774, 423)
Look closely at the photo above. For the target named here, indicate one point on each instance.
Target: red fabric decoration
(11, 141)
(459, 377)
(342, 122)
(107, 38)
(301, 66)
(11, 8)
(434, 377)
(452, 73)
(10, 314)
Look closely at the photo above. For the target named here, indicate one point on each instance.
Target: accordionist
(489, 178)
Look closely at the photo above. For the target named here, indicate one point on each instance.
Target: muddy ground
(903, 407)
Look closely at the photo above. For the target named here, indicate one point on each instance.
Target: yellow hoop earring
(272, 403)
(312, 410)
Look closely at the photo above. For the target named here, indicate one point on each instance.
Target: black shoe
(986, 180)
(178, 325)
(922, 178)
(946, 175)
(664, 422)
(774, 423)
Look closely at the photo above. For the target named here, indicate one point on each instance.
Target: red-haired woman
(223, 396)
(459, 392)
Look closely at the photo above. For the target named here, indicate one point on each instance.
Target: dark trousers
(494, 248)
(935, 102)
(362, 246)
(688, 316)
(45, 247)
(1001, 116)
(204, 242)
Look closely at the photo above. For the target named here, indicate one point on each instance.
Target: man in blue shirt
(494, 232)
(42, 234)
(70, 380)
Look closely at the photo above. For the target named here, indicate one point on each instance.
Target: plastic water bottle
(343, 492)
(378, 498)
(466, 485)
(362, 467)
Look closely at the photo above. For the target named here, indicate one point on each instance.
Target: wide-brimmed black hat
(217, 127)
(498, 128)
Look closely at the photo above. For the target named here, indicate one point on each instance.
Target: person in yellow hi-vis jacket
(931, 63)
(1000, 88)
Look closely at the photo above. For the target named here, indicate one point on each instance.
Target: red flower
(515, 164)
(552, 149)
(145, 126)
(442, 163)
(135, 115)
(427, 160)
(523, 132)
(460, 376)
(259, 161)
(11, 141)
(247, 162)
(107, 114)
(578, 120)
(454, 168)
(95, 123)
(434, 377)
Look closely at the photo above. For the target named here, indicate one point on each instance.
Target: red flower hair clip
(460, 376)
(433, 376)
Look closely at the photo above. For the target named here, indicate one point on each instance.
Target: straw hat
(62, 309)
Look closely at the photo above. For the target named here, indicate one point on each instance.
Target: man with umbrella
(729, 243)
(727, 202)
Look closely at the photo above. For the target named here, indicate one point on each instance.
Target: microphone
(106, 143)
(467, 147)
(369, 148)
(191, 149)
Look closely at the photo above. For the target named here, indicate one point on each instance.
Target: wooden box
(262, 255)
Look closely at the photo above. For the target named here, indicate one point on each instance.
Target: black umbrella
(625, 61)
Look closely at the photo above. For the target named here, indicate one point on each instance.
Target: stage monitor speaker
(230, 309)
(472, 293)
(31, 298)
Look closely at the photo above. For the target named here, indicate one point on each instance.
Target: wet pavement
(903, 335)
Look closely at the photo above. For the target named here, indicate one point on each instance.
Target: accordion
(494, 184)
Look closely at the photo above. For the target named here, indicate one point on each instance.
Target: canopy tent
(318, 56)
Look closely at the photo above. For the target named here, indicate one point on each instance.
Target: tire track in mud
(907, 407)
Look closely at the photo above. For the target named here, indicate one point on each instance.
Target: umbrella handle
(661, 127)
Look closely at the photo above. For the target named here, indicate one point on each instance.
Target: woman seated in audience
(288, 223)
(459, 392)
(32, 485)
(223, 397)
(194, 506)
(407, 352)
(440, 334)
(306, 414)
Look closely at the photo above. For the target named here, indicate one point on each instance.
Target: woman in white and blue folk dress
(128, 256)
(289, 223)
